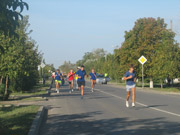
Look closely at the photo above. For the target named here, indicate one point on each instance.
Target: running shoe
(81, 97)
(133, 104)
(72, 90)
(92, 90)
(127, 104)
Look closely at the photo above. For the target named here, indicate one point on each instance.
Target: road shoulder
(148, 90)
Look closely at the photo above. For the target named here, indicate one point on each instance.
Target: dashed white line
(153, 108)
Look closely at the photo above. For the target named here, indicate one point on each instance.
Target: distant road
(104, 113)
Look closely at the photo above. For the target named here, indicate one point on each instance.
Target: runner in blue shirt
(130, 77)
(58, 79)
(92, 77)
(81, 73)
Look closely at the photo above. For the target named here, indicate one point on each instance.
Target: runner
(92, 77)
(130, 77)
(71, 80)
(58, 78)
(76, 78)
(81, 80)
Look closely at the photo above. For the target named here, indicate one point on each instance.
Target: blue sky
(66, 29)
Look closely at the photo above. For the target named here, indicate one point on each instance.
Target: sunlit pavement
(104, 112)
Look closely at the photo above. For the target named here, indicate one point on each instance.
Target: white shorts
(129, 87)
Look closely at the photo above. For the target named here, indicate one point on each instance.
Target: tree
(167, 62)
(67, 66)
(146, 38)
(20, 60)
(10, 14)
(93, 59)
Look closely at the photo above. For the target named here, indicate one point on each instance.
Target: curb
(35, 127)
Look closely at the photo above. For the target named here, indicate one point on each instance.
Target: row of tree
(67, 66)
(19, 56)
(149, 37)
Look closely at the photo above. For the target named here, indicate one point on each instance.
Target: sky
(65, 29)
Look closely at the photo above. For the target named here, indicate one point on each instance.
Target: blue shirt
(93, 77)
(81, 74)
(57, 77)
(130, 81)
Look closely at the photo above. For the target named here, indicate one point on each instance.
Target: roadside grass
(157, 87)
(166, 88)
(117, 82)
(41, 86)
(33, 99)
(29, 93)
(17, 120)
(37, 90)
(36, 94)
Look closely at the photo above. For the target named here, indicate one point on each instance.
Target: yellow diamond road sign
(142, 60)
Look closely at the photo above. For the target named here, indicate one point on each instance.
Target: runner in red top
(71, 80)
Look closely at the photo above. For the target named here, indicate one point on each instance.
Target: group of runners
(79, 76)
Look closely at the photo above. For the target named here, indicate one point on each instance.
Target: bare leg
(57, 85)
(92, 84)
(72, 85)
(133, 95)
(128, 95)
(82, 90)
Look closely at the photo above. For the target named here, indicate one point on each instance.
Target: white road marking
(153, 108)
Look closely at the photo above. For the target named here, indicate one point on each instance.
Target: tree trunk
(161, 85)
(1, 80)
(151, 83)
(172, 82)
(6, 89)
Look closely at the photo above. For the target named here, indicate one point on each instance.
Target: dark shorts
(70, 82)
(81, 83)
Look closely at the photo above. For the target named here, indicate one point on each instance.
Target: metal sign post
(142, 76)
(42, 66)
(142, 60)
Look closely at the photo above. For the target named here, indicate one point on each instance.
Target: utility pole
(171, 25)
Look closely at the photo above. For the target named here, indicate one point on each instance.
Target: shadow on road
(149, 106)
(78, 124)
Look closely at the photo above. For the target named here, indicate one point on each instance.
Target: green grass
(16, 120)
(39, 89)
(117, 83)
(157, 87)
(166, 88)
(33, 99)
(31, 93)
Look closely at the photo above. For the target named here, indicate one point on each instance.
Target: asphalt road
(104, 113)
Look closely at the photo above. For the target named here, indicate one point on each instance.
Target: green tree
(10, 13)
(67, 66)
(94, 59)
(20, 60)
(146, 38)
